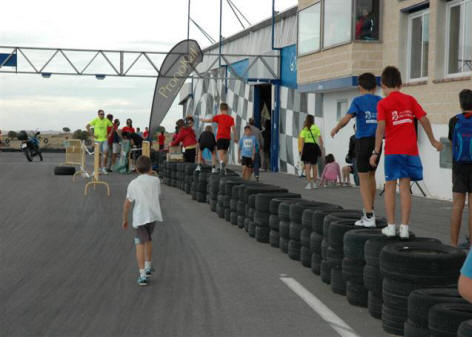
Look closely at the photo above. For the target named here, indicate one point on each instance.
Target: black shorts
(143, 233)
(248, 162)
(223, 144)
(189, 155)
(462, 178)
(161, 146)
(210, 147)
(364, 149)
(310, 153)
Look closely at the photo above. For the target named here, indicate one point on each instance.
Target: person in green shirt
(100, 134)
(312, 148)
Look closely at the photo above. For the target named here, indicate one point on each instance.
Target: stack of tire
(223, 190)
(244, 217)
(307, 229)
(213, 189)
(237, 206)
(353, 264)
(164, 172)
(342, 218)
(446, 319)
(465, 329)
(250, 209)
(180, 176)
(202, 186)
(419, 304)
(316, 238)
(284, 223)
(410, 266)
(188, 177)
(232, 190)
(373, 280)
(262, 213)
(274, 220)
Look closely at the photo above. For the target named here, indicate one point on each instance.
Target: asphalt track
(68, 269)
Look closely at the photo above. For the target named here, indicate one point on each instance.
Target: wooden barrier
(146, 149)
(75, 156)
(96, 172)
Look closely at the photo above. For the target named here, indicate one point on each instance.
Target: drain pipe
(275, 120)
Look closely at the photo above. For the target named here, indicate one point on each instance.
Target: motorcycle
(30, 146)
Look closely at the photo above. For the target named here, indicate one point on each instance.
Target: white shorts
(105, 147)
(116, 148)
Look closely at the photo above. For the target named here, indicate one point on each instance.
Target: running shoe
(404, 233)
(308, 186)
(214, 170)
(390, 231)
(104, 171)
(148, 272)
(198, 168)
(257, 178)
(142, 281)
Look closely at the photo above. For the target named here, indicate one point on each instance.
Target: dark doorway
(262, 118)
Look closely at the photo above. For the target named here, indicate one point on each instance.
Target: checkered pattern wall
(209, 92)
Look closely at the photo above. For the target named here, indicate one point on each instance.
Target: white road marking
(320, 308)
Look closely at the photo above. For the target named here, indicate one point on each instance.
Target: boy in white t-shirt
(143, 192)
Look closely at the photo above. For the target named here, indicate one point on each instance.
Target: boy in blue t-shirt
(460, 129)
(247, 151)
(364, 108)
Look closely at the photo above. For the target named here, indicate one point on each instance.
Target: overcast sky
(32, 102)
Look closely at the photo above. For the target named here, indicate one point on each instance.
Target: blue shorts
(399, 166)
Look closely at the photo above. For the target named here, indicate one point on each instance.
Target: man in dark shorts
(143, 193)
(223, 136)
(364, 108)
(460, 127)
(207, 141)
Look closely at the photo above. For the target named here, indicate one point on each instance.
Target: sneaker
(308, 186)
(367, 222)
(199, 168)
(86, 175)
(314, 186)
(142, 281)
(390, 231)
(148, 272)
(465, 244)
(257, 178)
(109, 170)
(104, 171)
(404, 233)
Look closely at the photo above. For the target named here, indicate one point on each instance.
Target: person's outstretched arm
(342, 123)
(426, 124)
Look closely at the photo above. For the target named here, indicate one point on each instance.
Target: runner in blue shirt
(465, 280)
(364, 109)
(247, 151)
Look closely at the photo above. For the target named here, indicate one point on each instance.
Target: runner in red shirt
(396, 115)
(129, 126)
(223, 136)
(187, 137)
(162, 140)
(146, 133)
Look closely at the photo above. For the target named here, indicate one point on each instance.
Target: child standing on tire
(364, 108)
(247, 152)
(396, 115)
(223, 135)
(206, 141)
(143, 192)
(460, 134)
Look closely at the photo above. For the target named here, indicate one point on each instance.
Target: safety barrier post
(75, 155)
(146, 149)
(96, 172)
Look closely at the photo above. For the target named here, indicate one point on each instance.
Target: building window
(309, 29)
(367, 15)
(459, 37)
(341, 108)
(418, 45)
(337, 22)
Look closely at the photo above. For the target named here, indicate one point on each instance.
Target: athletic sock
(142, 273)
(147, 265)
(369, 215)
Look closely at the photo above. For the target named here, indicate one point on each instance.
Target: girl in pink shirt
(331, 172)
